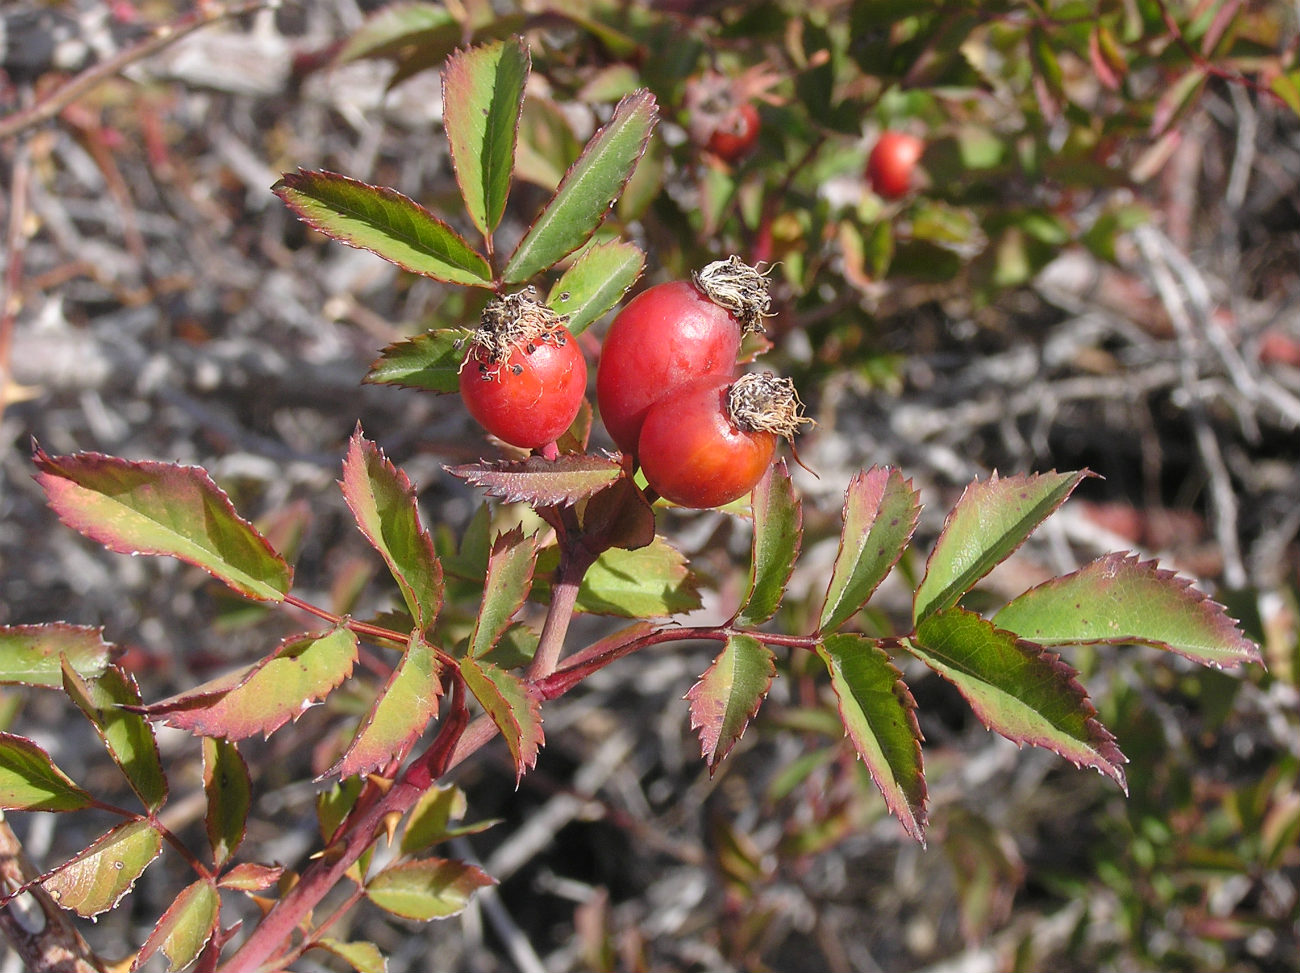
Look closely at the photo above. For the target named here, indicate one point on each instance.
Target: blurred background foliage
(1098, 265)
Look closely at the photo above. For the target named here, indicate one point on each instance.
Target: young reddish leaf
(880, 513)
(1120, 599)
(651, 581)
(184, 928)
(382, 499)
(1017, 689)
(251, 877)
(400, 27)
(991, 520)
(29, 780)
(401, 712)
(506, 700)
(162, 508)
(30, 654)
(362, 956)
(384, 222)
(482, 94)
(127, 735)
(728, 695)
(1177, 99)
(263, 697)
(229, 793)
(588, 189)
(1101, 48)
(541, 482)
(778, 535)
(432, 888)
(879, 716)
(595, 282)
(620, 516)
(429, 362)
(95, 880)
(509, 578)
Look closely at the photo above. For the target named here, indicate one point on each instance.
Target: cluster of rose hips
(667, 384)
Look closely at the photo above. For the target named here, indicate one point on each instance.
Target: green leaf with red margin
(384, 222)
(880, 513)
(30, 654)
(990, 521)
(509, 705)
(95, 880)
(184, 928)
(229, 792)
(1017, 688)
(509, 579)
(399, 28)
(429, 362)
(162, 508)
(879, 716)
(403, 709)
(1120, 599)
(595, 282)
(431, 888)
(728, 695)
(263, 697)
(541, 482)
(588, 189)
(429, 822)
(362, 956)
(482, 94)
(383, 501)
(127, 735)
(778, 534)
(29, 780)
(652, 581)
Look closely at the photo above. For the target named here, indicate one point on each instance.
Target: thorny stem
(361, 628)
(274, 932)
(574, 563)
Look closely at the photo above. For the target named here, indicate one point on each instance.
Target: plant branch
(161, 38)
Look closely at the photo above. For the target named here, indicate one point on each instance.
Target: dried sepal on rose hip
(524, 377)
(673, 334)
(711, 442)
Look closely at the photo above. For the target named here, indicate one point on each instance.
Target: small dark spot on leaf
(565, 296)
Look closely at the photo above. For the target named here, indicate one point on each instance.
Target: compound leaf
(263, 697)
(162, 508)
(403, 709)
(482, 94)
(1121, 599)
(991, 520)
(728, 695)
(508, 703)
(384, 222)
(596, 281)
(432, 888)
(879, 716)
(509, 579)
(184, 928)
(1017, 688)
(541, 482)
(95, 880)
(880, 514)
(588, 189)
(430, 361)
(31, 655)
(29, 780)
(229, 793)
(127, 735)
(778, 534)
(382, 499)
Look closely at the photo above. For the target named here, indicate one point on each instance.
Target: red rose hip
(524, 378)
(671, 335)
(892, 162)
